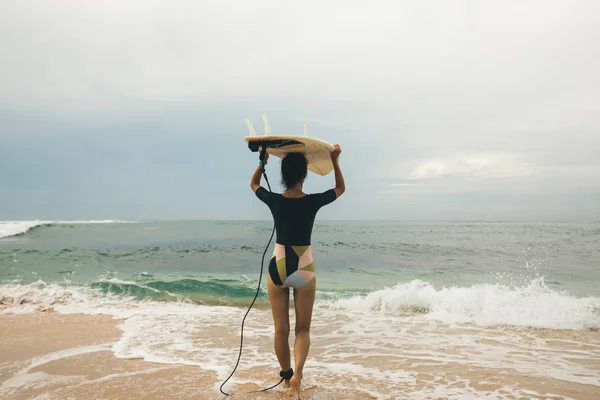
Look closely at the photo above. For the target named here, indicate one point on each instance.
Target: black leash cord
(272, 387)
(251, 305)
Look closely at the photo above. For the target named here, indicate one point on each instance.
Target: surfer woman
(292, 265)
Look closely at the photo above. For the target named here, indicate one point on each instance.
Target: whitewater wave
(15, 228)
(534, 305)
(39, 296)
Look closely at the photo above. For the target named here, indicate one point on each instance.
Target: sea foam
(533, 305)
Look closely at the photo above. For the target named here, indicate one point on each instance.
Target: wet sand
(47, 356)
(51, 356)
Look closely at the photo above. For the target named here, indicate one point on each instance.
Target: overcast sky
(444, 109)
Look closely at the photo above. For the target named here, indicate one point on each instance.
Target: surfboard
(317, 151)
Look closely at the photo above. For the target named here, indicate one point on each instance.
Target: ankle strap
(287, 374)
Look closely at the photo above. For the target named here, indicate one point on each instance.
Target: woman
(292, 264)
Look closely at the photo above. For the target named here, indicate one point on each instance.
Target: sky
(468, 109)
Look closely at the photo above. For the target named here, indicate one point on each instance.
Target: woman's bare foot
(294, 393)
(286, 383)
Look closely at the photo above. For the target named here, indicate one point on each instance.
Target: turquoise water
(219, 261)
(445, 297)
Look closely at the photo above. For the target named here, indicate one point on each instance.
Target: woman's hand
(340, 186)
(336, 152)
(255, 181)
(266, 157)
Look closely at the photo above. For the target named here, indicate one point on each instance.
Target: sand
(51, 356)
(46, 356)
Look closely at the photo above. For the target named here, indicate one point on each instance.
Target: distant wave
(17, 228)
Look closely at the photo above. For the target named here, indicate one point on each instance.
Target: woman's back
(295, 216)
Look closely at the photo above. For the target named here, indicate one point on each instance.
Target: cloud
(429, 170)
(432, 100)
(110, 53)
(475, 167)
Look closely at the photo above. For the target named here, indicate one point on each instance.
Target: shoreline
(56, 356)
(46, 355)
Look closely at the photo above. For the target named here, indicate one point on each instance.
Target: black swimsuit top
(294, 217)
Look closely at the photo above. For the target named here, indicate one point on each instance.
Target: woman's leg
(304, 299)
(280, 304)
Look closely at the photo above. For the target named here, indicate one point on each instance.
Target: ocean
(403, 308)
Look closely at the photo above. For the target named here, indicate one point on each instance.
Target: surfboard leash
(283, 374)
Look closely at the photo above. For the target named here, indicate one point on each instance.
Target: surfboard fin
(250, 128)
(267, 125)
(305, 127)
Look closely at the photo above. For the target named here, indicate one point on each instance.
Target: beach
(433, 166)
(130, 310)
(69, 357)
(47, 356)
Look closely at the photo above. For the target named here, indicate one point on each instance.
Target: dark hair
(294, 167)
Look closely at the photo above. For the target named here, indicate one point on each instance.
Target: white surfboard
(317, 151)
